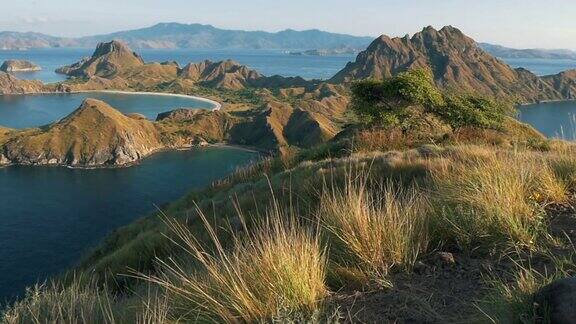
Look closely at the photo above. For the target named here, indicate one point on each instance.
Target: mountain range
(538, 53)
(192, 36)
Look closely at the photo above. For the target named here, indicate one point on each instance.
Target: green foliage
(379, 101)
(384, 102)
(462, 110)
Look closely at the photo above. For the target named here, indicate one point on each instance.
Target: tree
(383, 101)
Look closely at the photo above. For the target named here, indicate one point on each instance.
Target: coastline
(134, 163)
(545, 101)
(216, 104)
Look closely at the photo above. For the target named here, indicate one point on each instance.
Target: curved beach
(217, 105)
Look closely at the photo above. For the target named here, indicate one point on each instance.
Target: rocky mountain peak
(108, 59)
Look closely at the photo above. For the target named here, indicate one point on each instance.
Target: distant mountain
(506, 52)
(16, 41)
(193, 36)
(457, 62)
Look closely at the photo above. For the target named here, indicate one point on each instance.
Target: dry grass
(512, 301)
(55, 303)
(373, 230)
(497, 198)
(275, 271)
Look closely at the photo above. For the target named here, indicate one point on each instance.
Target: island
(19, 66)
(272, 114)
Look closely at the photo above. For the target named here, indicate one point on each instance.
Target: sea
(51, 217)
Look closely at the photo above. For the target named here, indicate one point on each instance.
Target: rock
(19, 66)
(558, 299)
(446, 258)
(136, 116)
(12, 85)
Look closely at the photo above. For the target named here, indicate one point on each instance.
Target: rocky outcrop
(93, 135)
(280, 124)
(456, 62)
(187, 127)
(19, 66)
(106, 62)
(9, 84)
(563, 82)
(226, 74)
(558, 301)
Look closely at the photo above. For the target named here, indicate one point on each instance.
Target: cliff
(19, 66)
(9, 84)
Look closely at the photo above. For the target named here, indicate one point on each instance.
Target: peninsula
(270, 113)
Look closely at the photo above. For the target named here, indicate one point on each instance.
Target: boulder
(558, 299)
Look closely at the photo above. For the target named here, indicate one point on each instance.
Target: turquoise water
(20, 111)
(267, 62)
(50, 217)
(553, 119)
(542, 66)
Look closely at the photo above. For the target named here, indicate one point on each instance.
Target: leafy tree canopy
(385, 101)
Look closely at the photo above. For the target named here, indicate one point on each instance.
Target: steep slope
(108, 59)
(226, 74)
(12, 85)
(94, 135)
(455, 60)
(115, 66)
(564, 82)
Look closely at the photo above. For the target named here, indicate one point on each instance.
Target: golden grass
(55, 303)
(275, 271)
(373, 230)
(496, 198)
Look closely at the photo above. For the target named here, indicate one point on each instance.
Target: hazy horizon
(512, 23)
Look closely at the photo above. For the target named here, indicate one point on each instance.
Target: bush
(462, 110)
(384, 102)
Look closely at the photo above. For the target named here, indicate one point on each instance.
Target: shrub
(462, 110)
(382, 101)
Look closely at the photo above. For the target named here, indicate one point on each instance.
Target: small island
(19, 66)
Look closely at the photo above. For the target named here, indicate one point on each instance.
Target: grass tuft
(373, 230)
(275, 271)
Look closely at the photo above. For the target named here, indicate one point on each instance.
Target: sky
(514, 23)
